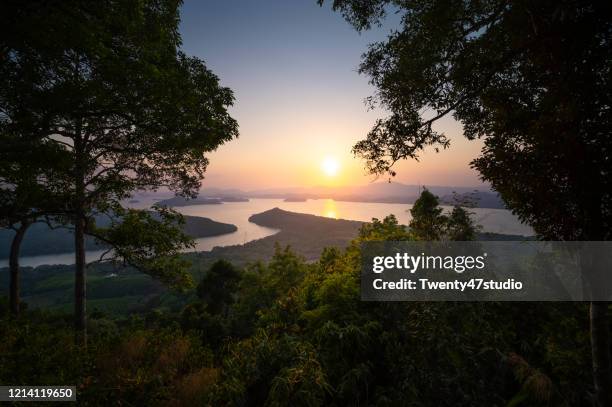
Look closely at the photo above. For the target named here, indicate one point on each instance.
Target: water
(237, 213)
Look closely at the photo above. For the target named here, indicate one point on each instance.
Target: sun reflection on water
(329, 209)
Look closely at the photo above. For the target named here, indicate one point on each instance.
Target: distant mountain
(200, 200)
(180, 201)
(373, 190)
(385, 192)
(40, 240)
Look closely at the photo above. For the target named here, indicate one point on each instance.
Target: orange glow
(297, 161)
(330, 210)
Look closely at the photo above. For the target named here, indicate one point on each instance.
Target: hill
(41, 240)
(121, 290)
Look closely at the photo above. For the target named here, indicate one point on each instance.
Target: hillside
(41, 240)
(125, 290)
(307, 235)
(121, 290)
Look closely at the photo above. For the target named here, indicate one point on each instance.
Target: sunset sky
(299, 100)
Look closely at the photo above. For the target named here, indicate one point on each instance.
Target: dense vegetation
(532, 80)
(292, 332)
(98, 101)
(295, 333)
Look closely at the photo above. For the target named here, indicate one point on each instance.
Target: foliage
(109, 78)
(460, 225)
(29, 188)
(290, 332)
(429, 223)
(218, 286)
(123, 364)
(427, 220)
(150, 243)
(315, 343)
(532, 79)
(106, 83)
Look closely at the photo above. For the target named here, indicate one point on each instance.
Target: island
(306, 234)
(182, 201)
(41, 240)
(234, 199)
(124, 290)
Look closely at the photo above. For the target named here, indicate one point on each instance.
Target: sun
(330, 166)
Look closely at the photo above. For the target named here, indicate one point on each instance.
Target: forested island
(43, 240)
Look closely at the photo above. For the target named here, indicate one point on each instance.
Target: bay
(238, 213)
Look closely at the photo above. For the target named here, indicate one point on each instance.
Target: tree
(428, 222)
(29, 192)
(530, 78)
(460, 225)
(218, 287)
(149, 240)
(107, 82)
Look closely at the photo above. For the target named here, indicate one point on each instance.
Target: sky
(292, 66)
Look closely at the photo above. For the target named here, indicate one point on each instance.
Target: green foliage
(29, 187)
(427, 221)
(388, 228)
(123, 364)
(532, 80)
(295, 333)
(460, 225)
(106, 84)
(150, 243)
(313, 342)
(109, 77)
(218, 286)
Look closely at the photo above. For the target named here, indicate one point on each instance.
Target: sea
(238, 213)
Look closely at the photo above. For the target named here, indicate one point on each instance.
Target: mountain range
(385, 192)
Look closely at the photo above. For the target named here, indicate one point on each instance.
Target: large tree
(107, 82)
(533, 80)
(30, 192)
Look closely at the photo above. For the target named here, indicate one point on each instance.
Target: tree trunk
(14, 268)
(600, 349)
(80, 297)
(80, 315)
